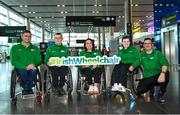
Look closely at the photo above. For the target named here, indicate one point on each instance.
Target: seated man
(91, 70)
(57, 50)
(25, 57)
(155, 70)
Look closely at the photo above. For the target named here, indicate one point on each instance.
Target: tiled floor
(88, 103)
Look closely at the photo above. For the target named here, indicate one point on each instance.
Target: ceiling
(51, 13)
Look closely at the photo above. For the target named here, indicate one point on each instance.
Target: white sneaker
(121, 88)
(115, 87)
(91, 89)
(95, 90)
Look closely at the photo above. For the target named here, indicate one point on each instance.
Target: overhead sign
(95, 21)
(81, 60)
(12, 31)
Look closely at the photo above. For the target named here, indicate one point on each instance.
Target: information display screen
(95, 21)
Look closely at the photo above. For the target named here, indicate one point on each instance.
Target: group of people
(153, 63)
(26, 57)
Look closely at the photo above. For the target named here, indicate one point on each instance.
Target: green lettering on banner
(81, 60)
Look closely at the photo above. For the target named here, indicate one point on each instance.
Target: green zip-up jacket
(21, 56)
(152, 63)
(90, 55)
(130, 55)
(56, 51)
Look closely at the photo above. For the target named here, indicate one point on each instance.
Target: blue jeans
(26, 78)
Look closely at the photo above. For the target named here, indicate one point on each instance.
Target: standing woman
(129, 60)
(91, 70)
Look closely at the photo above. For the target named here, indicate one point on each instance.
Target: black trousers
(96, 73)
(147, 84)
(58, 72)
(119, 74)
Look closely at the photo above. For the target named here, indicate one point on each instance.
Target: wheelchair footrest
(29, 96)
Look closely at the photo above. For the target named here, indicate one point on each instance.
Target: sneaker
(161, 98)
(91, 89)
(95, 90)
(24, 92)
(115, 87)
(121, 88)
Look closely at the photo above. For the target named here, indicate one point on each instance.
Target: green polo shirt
(152, 63)
(21, 56)
(90, 55)
(130, 55)
(56, 51)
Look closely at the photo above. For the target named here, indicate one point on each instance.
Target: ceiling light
(93, 11)
(132, 5)
(155, 4)
(95, 4)
(34, 12)
(100, 4)
(160, 4)
(29, 12)
(63, 5)
(62, 12)
(136, 5)
(58, 5)
(21, 6)
(25, 5)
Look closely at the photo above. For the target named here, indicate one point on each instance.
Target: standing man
(155, 70)
(25, 57)
(57, 50)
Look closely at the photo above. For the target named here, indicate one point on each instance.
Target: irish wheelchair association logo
(81, 60)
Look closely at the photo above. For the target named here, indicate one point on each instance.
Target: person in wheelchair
(155, 70)
(91, 71)
(129, 60)
(25, 57)
(57, 50)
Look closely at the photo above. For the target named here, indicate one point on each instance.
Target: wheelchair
(81, 83)
(48, 86)
(15, 88)
(133, 79)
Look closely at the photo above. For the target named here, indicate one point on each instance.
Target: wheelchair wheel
(135, 78)
(13, 84)
(47, 82)
(78, 87)
(103, 83)
(69, 82)
(38, 81)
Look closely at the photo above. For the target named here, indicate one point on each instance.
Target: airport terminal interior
(104, 21)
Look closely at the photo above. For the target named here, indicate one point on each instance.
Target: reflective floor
(88, 104)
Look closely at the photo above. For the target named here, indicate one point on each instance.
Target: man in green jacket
(57, 50)
(155, 70)
(129, 60)
(25, 57)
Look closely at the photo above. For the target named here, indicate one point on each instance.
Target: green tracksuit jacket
(152, 63)
(130, 55)
(56, 51)
(21, 56)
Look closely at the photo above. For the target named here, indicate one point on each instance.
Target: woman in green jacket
(129, 60)
(91, 70)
